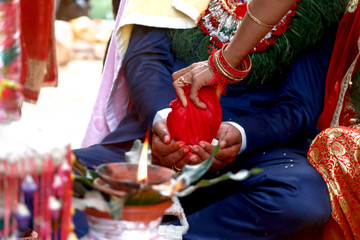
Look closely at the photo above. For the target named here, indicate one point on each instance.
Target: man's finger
(160, 129)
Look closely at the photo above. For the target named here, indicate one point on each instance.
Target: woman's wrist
(223, 72)
(233, 57)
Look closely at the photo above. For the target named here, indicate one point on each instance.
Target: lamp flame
(142, 174)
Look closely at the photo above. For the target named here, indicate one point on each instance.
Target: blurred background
(82, 31)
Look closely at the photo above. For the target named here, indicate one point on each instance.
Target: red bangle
(238, 73)
(225, 74)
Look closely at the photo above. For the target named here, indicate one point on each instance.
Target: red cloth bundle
(192, 124)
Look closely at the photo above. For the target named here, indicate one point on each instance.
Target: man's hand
(230, 141)
(170, 154)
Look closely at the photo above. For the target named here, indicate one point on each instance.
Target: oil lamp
(141, 208)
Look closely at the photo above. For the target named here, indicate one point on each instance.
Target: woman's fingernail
(202, 144)
(195, 149)
(185, 150)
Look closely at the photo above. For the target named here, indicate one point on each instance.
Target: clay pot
(138, 222)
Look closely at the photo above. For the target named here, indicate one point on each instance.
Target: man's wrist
(162, 114)
(243, 136)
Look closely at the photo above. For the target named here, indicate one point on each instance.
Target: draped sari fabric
(346, 50)
(39, 67)
(335, 151)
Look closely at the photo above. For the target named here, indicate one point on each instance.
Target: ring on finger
(174, 167)
(181, 80)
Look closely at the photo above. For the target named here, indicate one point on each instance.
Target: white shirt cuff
(243, 136)
(162, 114)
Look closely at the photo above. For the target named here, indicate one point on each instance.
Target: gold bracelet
(257, 20)
(243, 66)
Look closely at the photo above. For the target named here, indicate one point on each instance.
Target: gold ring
(181, 80)
(174, 167)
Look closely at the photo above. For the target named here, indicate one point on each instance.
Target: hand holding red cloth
(192, 124)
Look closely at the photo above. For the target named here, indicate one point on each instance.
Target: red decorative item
(192, 124)
(220, 23)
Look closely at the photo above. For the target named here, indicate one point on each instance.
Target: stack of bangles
(224, 73)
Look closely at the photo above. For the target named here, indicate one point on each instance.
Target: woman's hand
(230, 143)
(198, 75)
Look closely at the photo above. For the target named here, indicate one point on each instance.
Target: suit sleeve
(148, 65)
(291, 121)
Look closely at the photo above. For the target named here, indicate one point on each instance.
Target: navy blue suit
(289, 196)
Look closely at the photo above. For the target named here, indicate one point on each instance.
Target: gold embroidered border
(344, 87)
(352, 5)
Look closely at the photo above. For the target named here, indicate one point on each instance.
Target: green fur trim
(308, 26)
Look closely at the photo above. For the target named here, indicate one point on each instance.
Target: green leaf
(92, 174)
(256, 170)
(78, 189)
(116, 207)
(87, 183)
(144, 196)
(239, 176)
(191, 173)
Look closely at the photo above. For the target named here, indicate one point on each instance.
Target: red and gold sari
(335, 152)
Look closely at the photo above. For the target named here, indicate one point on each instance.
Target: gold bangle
(222, 70)
(257, 20)
(243, 66)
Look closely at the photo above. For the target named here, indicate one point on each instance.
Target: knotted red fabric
(192, 124)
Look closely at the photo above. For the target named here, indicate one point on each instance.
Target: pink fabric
(112, 102)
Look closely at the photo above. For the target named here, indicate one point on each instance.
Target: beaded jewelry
(222, 18)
